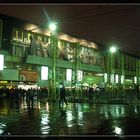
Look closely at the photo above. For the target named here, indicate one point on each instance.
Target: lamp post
(112, 50)
(52, 69)
(109, 71)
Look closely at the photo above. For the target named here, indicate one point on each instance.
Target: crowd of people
(20, 92)
(65, 94)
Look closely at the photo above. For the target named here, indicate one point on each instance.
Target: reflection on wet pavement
(47, 118)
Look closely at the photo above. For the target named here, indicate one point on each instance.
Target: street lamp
(112, 50)
(109, 77)
(52, 70)
(52, 26)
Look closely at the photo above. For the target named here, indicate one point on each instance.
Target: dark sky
(108, 24)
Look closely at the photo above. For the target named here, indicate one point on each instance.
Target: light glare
(113, 49)
(52, 26)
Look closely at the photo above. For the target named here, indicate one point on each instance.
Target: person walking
(62, 95)
(90, 94)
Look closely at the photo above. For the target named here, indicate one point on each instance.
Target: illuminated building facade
(33, 55)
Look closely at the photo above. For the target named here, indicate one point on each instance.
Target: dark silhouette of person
(62, 112)
(62, 95)
(90, 94)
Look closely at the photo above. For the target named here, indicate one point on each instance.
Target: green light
(113, 49)
(52, 26)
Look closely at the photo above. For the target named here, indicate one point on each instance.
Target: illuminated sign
(68, 74)
(105, 77)
(1, 61)
(135, 79)
(44, 73)
(28, 75)
(117, 78)
(122, 79)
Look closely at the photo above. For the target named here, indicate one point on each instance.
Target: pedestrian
(90, 94)
(62, 95)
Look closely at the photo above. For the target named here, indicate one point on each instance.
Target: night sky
(107, 24)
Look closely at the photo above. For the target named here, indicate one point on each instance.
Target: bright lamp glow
(44, 73)
(113, 49)
(1, 62)
(52, 26)
(68, 74)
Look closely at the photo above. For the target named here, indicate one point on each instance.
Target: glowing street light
(113, 49)
(53, 42)
(52, 26)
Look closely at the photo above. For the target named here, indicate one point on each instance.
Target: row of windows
(129, 62)
(24, 36)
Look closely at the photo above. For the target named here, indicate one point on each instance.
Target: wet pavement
(42, 118)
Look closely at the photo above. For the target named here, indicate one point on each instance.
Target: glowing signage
(105, 77)
(122, 79)
(1, 61)
(135, 79)
(117, 78)
(44, 73)
(68, 74)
